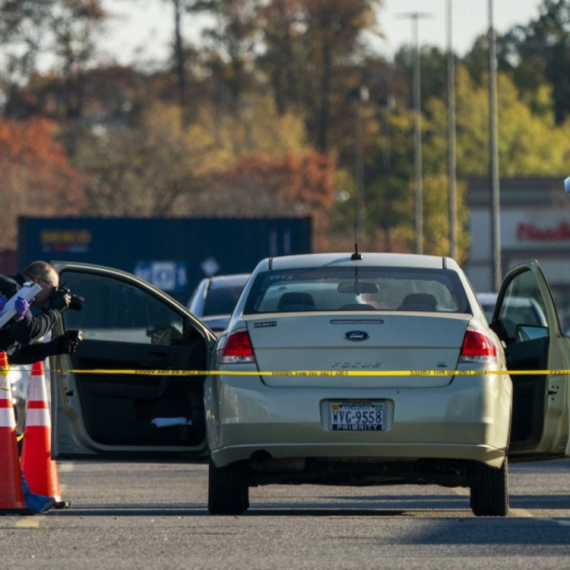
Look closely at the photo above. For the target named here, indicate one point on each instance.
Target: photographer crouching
(18, 336)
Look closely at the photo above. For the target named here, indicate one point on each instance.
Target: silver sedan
(363, 322)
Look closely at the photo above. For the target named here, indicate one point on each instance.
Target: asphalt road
(154, 516)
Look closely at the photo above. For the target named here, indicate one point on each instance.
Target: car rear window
(363, 288)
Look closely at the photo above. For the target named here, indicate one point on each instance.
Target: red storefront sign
(530, 232)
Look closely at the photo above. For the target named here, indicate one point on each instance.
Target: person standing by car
(18, 336)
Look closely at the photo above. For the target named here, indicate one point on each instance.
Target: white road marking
(523, 513)
(29, 522)
(557, 521)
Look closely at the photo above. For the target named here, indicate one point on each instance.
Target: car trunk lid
(357, 344)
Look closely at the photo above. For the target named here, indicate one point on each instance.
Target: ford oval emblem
(356, 335)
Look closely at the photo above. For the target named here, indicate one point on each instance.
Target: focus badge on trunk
(356, 335)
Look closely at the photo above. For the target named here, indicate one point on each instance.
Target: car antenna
(355, 256)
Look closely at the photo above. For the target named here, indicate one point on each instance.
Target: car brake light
(477, 347)
(236, 349)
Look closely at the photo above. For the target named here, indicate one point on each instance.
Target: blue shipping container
(172, 253)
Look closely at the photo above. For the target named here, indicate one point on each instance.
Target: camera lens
(76, 302)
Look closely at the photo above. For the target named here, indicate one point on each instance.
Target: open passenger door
(128, 325)
(526, 320)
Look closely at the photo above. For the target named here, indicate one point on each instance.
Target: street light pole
(360, 96)
(419, 198)
(451, 175)
(418, 190)
(494, 156)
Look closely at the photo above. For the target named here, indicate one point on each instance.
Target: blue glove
(22, 307)
(3, 300)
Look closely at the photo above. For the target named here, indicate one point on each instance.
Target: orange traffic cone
(12, 500)
(40, 470)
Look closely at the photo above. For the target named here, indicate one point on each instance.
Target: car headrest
(296, 302)
(418, 302)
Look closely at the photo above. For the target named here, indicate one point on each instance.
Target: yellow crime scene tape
(315, 372)
(328, 373)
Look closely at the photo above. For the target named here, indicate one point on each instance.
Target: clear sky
(470, 19)
(144, 32)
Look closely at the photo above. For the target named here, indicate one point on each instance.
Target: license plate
(356, 417)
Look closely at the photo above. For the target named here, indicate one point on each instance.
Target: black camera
(76, 301)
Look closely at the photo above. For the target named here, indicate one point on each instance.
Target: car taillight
(477, 347)
(236, 349)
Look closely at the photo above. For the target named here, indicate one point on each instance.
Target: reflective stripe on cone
(7, 417)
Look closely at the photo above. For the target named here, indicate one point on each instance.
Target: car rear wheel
(489, 490)
(228, 491)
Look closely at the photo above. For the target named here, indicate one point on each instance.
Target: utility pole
(360, 95)
(418, 190)
(179, 53)
(494, 156)
(451, 174)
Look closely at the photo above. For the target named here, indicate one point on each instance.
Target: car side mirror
(567, 185)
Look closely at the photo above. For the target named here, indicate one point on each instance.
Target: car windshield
(362, 288)
(222, 300)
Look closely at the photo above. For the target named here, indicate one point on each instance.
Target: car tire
(489, 490)
(228, 491)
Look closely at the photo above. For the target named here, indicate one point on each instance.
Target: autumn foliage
(304, 182)
(265, 115)
(36, 178)
(267, 185)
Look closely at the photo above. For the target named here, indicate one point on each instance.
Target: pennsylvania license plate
(356, 417)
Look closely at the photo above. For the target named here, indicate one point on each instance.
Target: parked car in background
(514, 309)
(335, 369)
(487, 301)
(215, 298)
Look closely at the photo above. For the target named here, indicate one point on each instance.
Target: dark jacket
(16, 337)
